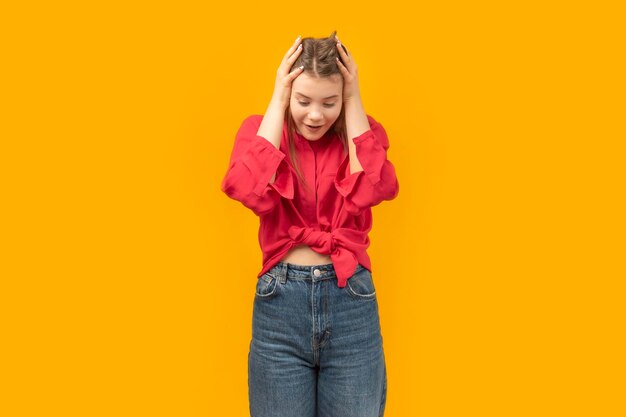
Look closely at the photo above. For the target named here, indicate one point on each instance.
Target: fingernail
(298, 38)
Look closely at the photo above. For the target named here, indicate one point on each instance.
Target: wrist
(353, 102)
(278, 104)
(355, 98)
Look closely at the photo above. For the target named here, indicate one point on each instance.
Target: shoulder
(255, 118)
(375, 125)
(379, 131)
(252, 121)
(373, 122)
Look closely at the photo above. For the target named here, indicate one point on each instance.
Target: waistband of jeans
(285, 270)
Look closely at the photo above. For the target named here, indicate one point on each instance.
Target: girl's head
(316, 94)
(315, 103)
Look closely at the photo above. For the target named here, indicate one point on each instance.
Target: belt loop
(282, 273)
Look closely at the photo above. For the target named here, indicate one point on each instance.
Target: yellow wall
(128, 276)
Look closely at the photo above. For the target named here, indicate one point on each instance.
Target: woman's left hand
(348, 69)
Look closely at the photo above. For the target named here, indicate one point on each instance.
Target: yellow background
(127, 276)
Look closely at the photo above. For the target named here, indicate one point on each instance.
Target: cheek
(336, 111)
(295, 112)
(300, 113)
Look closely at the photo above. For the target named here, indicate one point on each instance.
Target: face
(315, 102)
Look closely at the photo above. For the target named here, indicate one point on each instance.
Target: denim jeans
(316, 349)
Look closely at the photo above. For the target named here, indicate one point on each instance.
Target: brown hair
(318, 59)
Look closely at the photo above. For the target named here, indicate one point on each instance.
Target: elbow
(258, 206)
(237, 190)
(391, 191)
(386, 189)
(389, 186)
(230, 188)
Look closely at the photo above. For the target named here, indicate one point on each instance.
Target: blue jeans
(316, 349)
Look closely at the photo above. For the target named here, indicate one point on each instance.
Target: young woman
(311, 168)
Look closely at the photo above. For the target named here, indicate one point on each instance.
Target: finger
(288, 62)
(285, 65)
(294, 74)
(342, 51)
(292, 48)
(295, 54)
(342, 68)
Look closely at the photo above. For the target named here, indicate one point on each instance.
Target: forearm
(356, 124)
(271, 127)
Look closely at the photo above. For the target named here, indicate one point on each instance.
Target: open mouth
(314, 128)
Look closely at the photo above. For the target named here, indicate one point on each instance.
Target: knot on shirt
(334, 243)
(319, 240)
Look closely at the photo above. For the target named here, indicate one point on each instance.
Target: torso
(304, 255)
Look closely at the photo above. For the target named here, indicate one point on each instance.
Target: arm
(366, 177)
(255, 162)
(272, 126)
(356, 124)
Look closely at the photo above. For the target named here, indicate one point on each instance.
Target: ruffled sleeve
(253, 161)
(377, 181)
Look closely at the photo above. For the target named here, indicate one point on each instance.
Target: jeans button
(317, 273)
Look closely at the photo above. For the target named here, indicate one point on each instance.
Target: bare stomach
(304, 255)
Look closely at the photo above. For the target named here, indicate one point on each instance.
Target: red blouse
(336, 217)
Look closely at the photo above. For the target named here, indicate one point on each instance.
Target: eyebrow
(325, 98)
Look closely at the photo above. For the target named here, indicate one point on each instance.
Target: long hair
(318, 59)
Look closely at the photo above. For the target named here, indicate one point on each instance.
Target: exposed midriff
(304, 255)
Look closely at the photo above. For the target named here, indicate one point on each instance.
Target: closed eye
(325, 104)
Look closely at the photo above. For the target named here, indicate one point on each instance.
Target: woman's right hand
(284, 78)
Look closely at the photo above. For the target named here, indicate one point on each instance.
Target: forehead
(317, 88)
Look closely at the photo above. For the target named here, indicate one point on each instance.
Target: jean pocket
(266, 286)
(361, 285)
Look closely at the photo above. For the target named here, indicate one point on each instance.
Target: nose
(315, 116)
